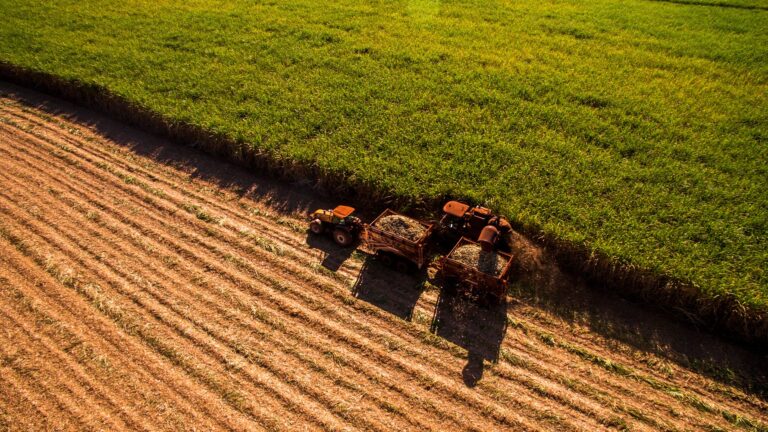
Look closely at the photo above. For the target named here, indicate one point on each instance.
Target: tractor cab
(455, 209)
(342, 213)
(465, 220)
(334, 216)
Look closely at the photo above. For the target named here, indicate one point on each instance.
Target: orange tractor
(476, 223)
(343, 226)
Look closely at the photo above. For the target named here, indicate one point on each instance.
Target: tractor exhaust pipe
(488, 237)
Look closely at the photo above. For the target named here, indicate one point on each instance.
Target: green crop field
(637, 128)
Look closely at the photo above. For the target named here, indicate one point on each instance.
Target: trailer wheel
(385, 259)
(316, 226)
(402, 266)
(450, 285)
(342, 238)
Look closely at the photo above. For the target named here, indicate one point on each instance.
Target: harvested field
(402, 226)
(473, 256)
(146, 286)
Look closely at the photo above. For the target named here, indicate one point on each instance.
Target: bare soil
(145, 285)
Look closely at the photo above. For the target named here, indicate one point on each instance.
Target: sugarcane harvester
(459, 220)
(475, 223)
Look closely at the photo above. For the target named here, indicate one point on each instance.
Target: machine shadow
(478, 328)
(387, 289)
(333, 254)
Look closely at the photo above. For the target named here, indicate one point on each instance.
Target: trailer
(394, 250)
(473, 280)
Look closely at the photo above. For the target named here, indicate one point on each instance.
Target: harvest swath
(136, 295)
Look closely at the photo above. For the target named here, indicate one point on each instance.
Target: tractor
(339, 222)
(476, 223)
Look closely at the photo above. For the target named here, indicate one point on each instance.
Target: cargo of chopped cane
(471, 255)
(405, 227)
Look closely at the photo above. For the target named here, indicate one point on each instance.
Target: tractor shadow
(387, 289)
(333, 254)
(478, 328)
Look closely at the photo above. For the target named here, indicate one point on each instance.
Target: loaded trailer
(472, 269)
(396, 250)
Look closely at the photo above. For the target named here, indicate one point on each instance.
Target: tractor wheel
(342, 238)
(316, 226)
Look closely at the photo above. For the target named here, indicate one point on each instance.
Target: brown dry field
(147, 286)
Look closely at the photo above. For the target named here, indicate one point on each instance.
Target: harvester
(476, 223)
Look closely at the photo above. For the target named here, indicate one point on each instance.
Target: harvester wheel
(316, 226)
(342, 237)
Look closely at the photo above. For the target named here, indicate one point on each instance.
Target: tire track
(34, 378)
(50, 314)
(83, 390)
(13, 400)
(113, 343)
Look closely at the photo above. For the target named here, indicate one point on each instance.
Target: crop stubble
(200, 325)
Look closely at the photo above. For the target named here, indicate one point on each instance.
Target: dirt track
(146, 286)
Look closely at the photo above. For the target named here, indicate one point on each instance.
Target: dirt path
(144, 286)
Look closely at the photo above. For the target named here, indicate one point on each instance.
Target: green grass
(637, 128)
